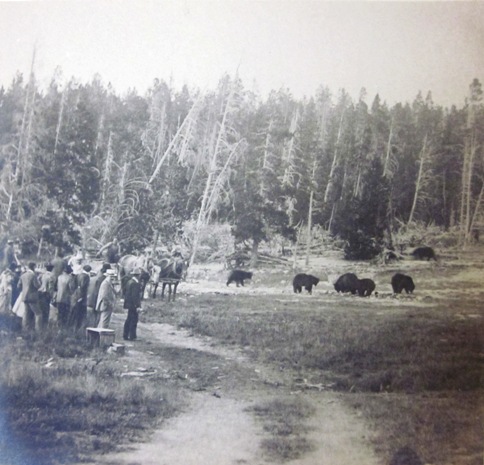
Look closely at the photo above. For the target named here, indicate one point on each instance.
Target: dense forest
(80, 162)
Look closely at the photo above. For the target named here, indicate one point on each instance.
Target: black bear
(238, 276)
(347, 283)
(422, 253)
(365, 287)
(304, 280)
(400, 282)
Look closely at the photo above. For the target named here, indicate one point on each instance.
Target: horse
(127, 264)
(169, 272)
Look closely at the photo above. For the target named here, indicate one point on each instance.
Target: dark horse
(168, 272)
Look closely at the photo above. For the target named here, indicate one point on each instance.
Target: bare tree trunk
(208, 185)
(310, 225)
(107, 170)
(186, 127)
(334, 163)
(332, 216)
(470, 149)
(18, 174)
(466, 193)
(473, 150)
(476, 212)
(419, 180)
(265, 159)
(387, 157)
(288, 154)
(59, 121)
(356, 190)
(296, 248)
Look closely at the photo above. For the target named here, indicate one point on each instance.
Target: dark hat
(68, 269)
(87, 268)
(106, 266)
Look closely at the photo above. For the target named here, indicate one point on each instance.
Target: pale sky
(395, 49)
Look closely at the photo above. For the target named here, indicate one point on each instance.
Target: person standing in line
(106, 301)
(17, 272)
(93, 292)
(63, 292)
(30, 284)
(6, 281)
(45, 293)
(79, 301)
(132, 301)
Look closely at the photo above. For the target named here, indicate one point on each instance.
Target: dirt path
(217, 428)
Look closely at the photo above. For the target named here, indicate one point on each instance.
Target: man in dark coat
(45, 293)
(79, 309)
(132, 301)
(17, 272)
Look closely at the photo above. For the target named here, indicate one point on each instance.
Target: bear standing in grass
(365, 287)
(424, 253)
(238, 276)
(304, 280)
(402, 282)
(347, 282)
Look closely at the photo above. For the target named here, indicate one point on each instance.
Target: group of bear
(348, 282)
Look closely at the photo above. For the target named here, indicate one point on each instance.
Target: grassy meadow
(412, 366)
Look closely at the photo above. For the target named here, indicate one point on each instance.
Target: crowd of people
(66, 294)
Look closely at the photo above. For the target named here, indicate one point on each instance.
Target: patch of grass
(442, 428)
(67, 410)
(285, 421)
(356, 349)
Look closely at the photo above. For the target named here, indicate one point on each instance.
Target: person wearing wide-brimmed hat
(106, 300)
(132, 302)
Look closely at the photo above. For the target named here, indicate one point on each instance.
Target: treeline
(79, 161)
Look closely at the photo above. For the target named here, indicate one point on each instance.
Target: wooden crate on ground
(100, 337)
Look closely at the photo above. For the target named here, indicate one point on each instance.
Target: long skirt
(6, 301)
